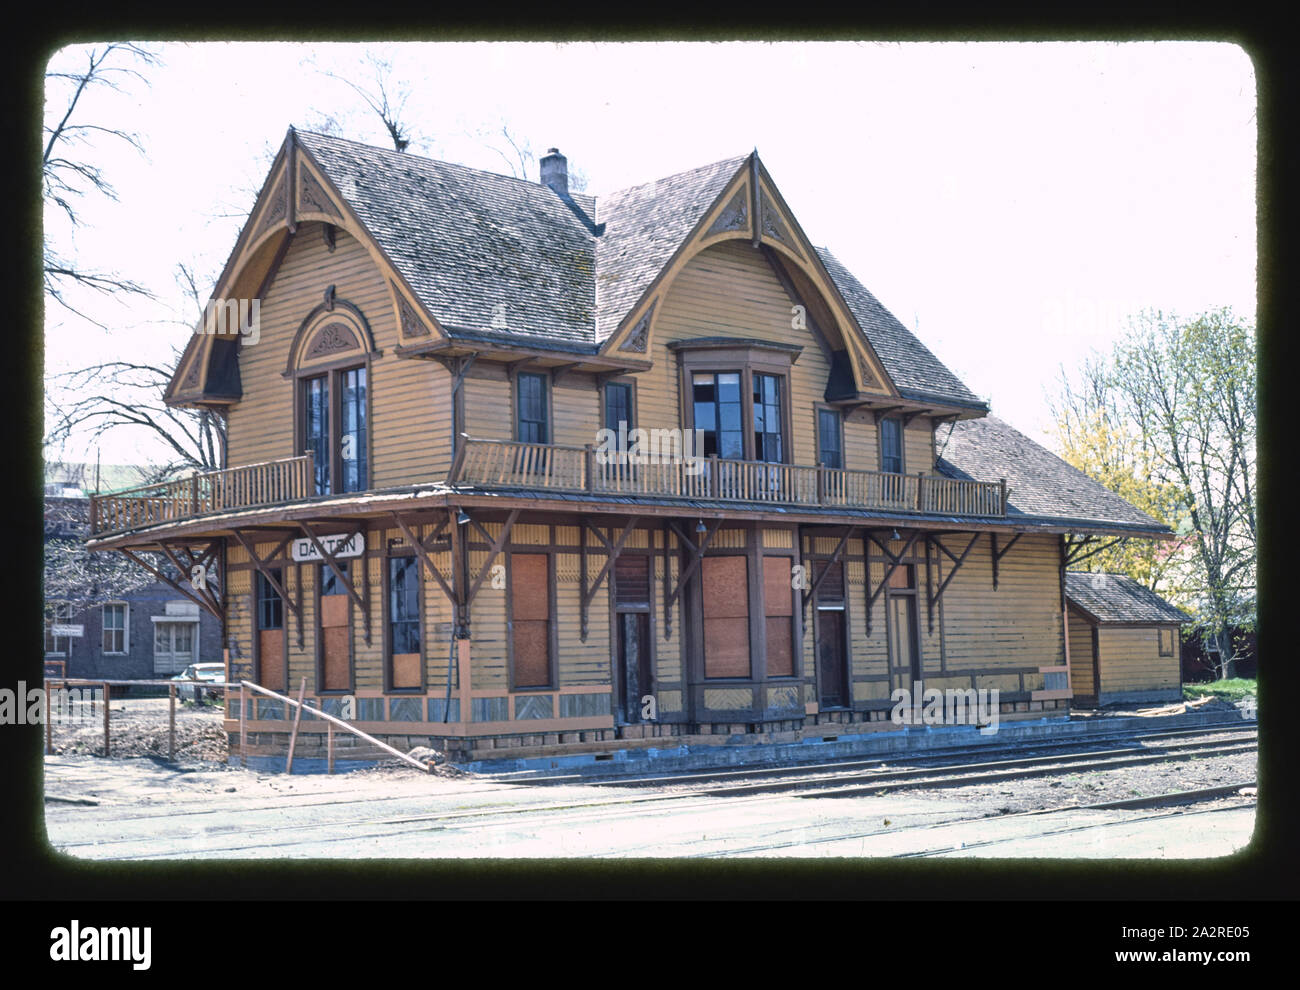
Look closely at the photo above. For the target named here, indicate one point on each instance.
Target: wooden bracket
(261, 564)
(495, 547)
(697, 555)
(894, 563)
(423, 550)
(933, 598)
(999, 554)
(203, 603)
(834, 559)
(612, 552)
(332, 562)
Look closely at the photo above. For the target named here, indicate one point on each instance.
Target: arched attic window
(329, 364)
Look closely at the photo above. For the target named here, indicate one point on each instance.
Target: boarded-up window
(632, 580)
(830, 589)
(725, 581)
(404, 622)
(530, 620)
(778, 607)
(1166, 642)
(271, 660)
(903, 576)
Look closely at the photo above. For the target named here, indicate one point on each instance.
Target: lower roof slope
(1118, 598)
(1039, 483)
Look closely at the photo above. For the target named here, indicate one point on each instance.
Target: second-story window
(618, 406)
(352, 439)
(316, 426)
(531, 417)
(334, 429)
(830, 438)
(891, 446)
(768, 442)
(718, 413)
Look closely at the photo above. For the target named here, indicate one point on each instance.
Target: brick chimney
(555, 171)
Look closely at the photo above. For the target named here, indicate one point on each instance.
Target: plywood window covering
(725, 610)
(335, 630)
(272, 667)
(891, 445)
(114, 627)
(632, 580)
(531, 408)
(403, 622)
(830, 592)
(1166, 642)
(530, 620)
(830, 438)
(778, 608)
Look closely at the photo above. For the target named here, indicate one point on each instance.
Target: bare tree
(68, 173)
(384, 95)
(122, 394)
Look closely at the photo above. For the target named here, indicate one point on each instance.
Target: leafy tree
(1168, 422)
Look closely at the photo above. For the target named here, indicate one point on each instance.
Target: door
(904, 657)
(335, 633)
(634, 664)
(830, 658)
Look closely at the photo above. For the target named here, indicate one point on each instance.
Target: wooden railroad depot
(423, 519)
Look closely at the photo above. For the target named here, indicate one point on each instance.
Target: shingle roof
(468, 241)
(1039, 483)
(644, 226)
(1118, 598)
(913, 369)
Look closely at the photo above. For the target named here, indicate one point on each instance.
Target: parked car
(196, 674)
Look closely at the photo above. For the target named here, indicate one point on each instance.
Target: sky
(1011, 203)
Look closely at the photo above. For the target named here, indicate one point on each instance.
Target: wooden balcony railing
(558, 467)
(247, 486)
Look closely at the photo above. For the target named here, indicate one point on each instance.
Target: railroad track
(1183, 798)
(953, 754)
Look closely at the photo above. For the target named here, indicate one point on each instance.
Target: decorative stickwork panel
(734, 216)
(854, 571)
(312, 197)
(636, 340)
(330, 339)
(405, 709)
(773, 225)
(638, 539)
(534, 706)
(438, 709)
(728, 699)
(825, 545)
(277, 206)
(568, 568)
(489, 709)
(536, 535)
(786, 697)
(237, 583)
(584, 705)
(778, 539)
(567, 536)
(411, 323)
(729, 539)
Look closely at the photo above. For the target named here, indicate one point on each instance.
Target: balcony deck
(559, 468)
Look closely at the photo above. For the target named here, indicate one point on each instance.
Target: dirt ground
(138, 727)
